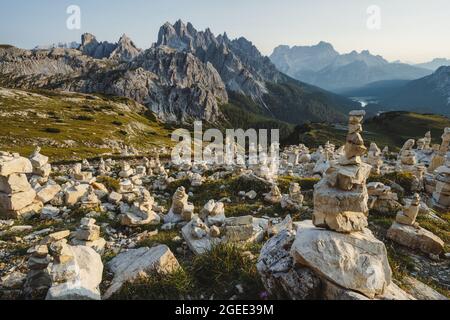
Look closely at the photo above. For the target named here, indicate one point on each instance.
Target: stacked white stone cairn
(375, 158)
(345, 256)
(17, 197)
(340, 198)
(88, 234)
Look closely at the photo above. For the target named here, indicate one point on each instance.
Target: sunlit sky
(411, 31)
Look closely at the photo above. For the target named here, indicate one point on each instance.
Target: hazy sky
(411, 30)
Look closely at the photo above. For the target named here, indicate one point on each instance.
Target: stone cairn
(407, 232)
(439, 158)
(345, 260)
(41, 167)
(407, 157)
(181, 209)
(441, 195)
(88, 234)
(375, 158)
(293, 200)
(340, 198)
(16, 194)
(38, 279)
(141, 212)
(76, 272)
(274, 196)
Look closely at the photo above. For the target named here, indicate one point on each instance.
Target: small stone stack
(407, 157)
(82, 176)
(38, 279)
(17, 197)
(88, 234)
(41, 167)
(181, 209)
(274, 196)
(126, 170)
(213, 213)
(441, 194)
(407, 232)
(294, 200)
(76, 272)
(340, 198)
(439, 157)
(375, 159)
(141, 212)
(90, 200)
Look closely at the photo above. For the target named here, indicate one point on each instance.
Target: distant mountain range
(429, 94)
(323, 66)
(434, 64)
(186, 75)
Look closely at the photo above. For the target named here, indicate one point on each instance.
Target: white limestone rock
(130, 265)
(356, 261)
(87, 271)
(48, 192)
(416, 238)
(10, 164)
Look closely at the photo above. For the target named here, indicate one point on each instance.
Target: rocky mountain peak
(239, 63)
(126, 50)
(87, 39)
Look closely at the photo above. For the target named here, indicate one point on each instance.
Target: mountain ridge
(327, 68)
(186, 75)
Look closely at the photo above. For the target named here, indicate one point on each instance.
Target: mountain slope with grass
(390, 129)
(75, 126)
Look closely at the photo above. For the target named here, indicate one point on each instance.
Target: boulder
(356, 261)
(421, 291)
(416, 238)
(14, 183)
(197, 245)
(130, 265)
(14, 164)
(48, 192)
(16, 201)
(87, 268)
(281, 278)
(75, 193)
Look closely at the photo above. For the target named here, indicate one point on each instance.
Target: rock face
(185, 76)
(357, 261)
(175, 85)
(416, 238)
(240, 65)
(130, 265)
(340, 198)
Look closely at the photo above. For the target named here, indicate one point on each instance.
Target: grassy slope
(51, 119)
(391, 129)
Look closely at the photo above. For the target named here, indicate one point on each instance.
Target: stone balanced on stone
(17, 197)
(407, 232)
(439, 158)
(181, 209)
(340, 198)
(441, 194)
(88, 234)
